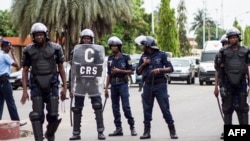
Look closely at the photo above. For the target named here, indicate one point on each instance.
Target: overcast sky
(231, 9)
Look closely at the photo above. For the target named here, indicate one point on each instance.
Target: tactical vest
(43, 61)
(235, 64)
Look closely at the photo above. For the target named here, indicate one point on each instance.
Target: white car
(183, 70)
(15, 79)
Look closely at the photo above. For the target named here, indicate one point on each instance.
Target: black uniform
(44, 86)
(233, 84)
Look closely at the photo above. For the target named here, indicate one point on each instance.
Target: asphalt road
(194, 109)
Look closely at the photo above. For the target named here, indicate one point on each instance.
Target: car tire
(189, 80)
(201, 82)
(193, 80)
(14, 87)
(169, 81)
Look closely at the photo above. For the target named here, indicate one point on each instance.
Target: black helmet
(224, 38)
(150, 42)
(233, 32)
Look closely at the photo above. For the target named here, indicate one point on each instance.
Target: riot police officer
(119, 67)
(45, 59)
(152, 66)
(224, 42)
(219, 70)
(89, 86)
(234, 60)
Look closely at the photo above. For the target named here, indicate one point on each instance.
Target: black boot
(117, 132)
(99, 120)
(77, 124)
(51, 130)
(133, 132)
(172, 132)
(36, 125)
(101, 136)
(222, 136)
(146, 134)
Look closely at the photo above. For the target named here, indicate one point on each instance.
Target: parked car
(206, 67)
(183, 70)
(195, 60)
(135, 61)
(16, 79)
(133, 78)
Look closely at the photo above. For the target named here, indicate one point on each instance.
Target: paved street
(194, 109)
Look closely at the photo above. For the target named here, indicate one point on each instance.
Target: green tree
(128, 31)
(210, 28)
(6, 26)
(246, 37)
(167, 34)
(67, 18)
(185, 47)
(237, 25)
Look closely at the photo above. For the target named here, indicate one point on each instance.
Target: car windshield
(208, 56)
(180, 63)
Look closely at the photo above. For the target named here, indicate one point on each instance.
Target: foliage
(236, 25)
(210, 35)
(246, 37)
(67, 18)
(198, 20)
(129, 31)
(210, 28)
(185, 47)
(167, 35)
(6, 26)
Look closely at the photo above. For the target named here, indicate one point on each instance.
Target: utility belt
(4, 77)
(156, 81)
(119, 79)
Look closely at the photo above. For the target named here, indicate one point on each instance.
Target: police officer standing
(219, 71)
(89, 86)
(224, 42)
(6, 92)
(119, 67)
(45, 59)
(152, 66)
(234, 60)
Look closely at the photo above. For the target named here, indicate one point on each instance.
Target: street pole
(204, 22)
(152, 17)
(216, 24)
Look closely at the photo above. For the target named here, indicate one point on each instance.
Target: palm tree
(70, 16)
(198, 20)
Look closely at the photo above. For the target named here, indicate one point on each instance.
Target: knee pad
(37, 104)
(97, 106)
(34, 116)
(53, 105)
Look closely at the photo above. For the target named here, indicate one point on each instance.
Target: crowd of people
(45, 60)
